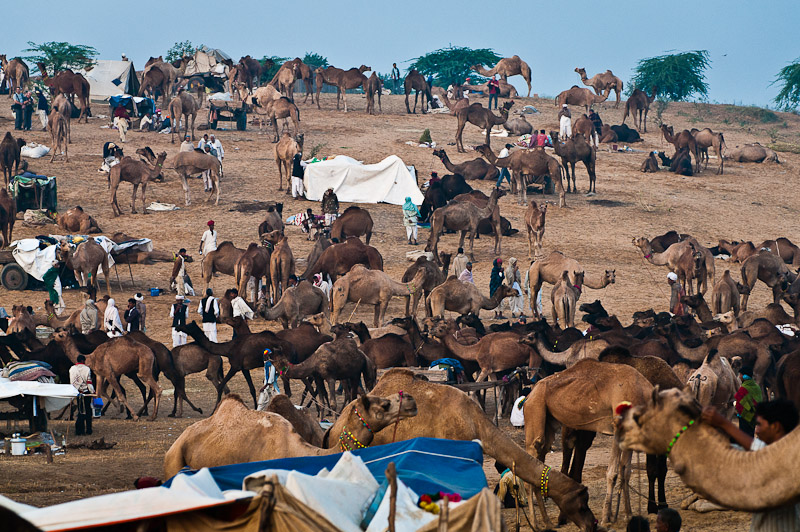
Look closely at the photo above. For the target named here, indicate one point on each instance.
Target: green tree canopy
(314, 60)
(450, 66)
(677, 76)
(277, 62)
(58, 56)
(789, 77)
(180, 49)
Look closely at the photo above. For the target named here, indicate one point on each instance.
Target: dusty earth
(751, 202)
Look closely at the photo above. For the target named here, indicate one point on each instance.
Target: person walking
(209, 310)
(676, 306)
(330, 206)
(466, 275)
(270, 388)
(89, 314)
(132, 317)
(494, 90)
(142, 308)
(411, 216)
(460, 262)
(565, 122)
(111, 320)
(504, 173)
(395, 79)
(179, 272)
(178, 314)
(80, 376)
(208, 242)
(121, 121)
(42, 108)
(495, 280)
(298, 171)
(514, 280)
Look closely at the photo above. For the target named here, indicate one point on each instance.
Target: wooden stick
(354, 309)
(515, 494)
(391, 475)
(444, 514)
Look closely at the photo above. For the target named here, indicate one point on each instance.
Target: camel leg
(133, 198)
(221, 385)
(459, 141)
(144, 204)
(612, 474)
(472, 244)
(624, 489)
(113, 380)
(155, 390)
(332, 402)
(185, 186)
(377, 315)
(249, 380)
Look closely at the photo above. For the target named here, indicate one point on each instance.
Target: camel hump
(78, 208)
(352, 208)
(252, 246)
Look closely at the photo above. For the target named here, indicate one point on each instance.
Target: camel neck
(461, 351)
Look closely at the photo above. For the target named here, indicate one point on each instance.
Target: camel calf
(534, 220)
(725, 295)
(57, 125)
(649, 165)
(564, 298)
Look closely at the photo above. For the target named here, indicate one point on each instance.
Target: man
(504, 174)
(541, 139)
(239, 306)
(514, 280)
(494, 90)
(460, 262)
(146, 123)
(270, 388)
(565, 122)
(747, 398)
(466, 275)
(27, 110)
(142, 308)
(19, 99)
(179, 271)
(80, 376)
(178, 314)
(209, 310)
(186, 145)
(298, 172)
(217, 146)
(330, 206)
(676, 293)
(132, 317)
(668, 520)
(201, 144)
(395, 79)
(598, 127)
(88, 316)
(121, 121)
(124, 57)
(208, 242)
(42, 108)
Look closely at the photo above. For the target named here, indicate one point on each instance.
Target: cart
(12, 276)
(224, 111)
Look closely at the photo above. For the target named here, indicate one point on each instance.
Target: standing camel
(682, 140)
(136, 172)
(602, 82)
(16, 71)
(352, 79)
(10, 153)
(581, 97)
(281, 267)
(482, 117)
(571, 152)
(416, 82)
(57, 125)
(687, 258)
(529, 164)
(8, 215)
(534, 221)
(285, 150)
(62, 104)
(706, 138)
(183, 104)
(86, 259)
(71, 84)
(284, 79)
(154, 80)
(328, 76)
(465, 217)
(639, 102)
(189, 163)
(508, 66)
(373, 86)
(283, 108)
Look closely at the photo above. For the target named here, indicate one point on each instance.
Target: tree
(58, 56)
(789, 95)
(677, 76)
(451, 66)
(314, 60)
(271, 64)
(180, 49)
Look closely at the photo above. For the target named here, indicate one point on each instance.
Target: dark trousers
(83, 421)
(18, 119)
(27, 114)
(504, 174)
(492, 97)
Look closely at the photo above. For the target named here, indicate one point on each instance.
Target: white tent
(109, 78)
(389, 181)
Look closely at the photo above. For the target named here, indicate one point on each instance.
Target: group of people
(510, 275)
(23, 107)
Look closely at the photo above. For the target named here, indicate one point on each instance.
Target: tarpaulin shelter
(137, 105)
(206, 60)
(389, 181)
(31, 191)
(109, 78)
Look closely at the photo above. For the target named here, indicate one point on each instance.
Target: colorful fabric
(27, 371)
(747, 397)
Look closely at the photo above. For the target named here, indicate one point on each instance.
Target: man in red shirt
(121, 121)
(494, 91)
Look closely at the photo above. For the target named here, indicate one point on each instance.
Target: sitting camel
(650, 164)
(683, 139)
(752, 153)
(463, 298)
(549, 270)
(478, 115)
(738, 251)
(191, 163)
(472, 169)
(464, 217)
(295, 304)
(76, 220)
(371, 287)
(337, 259)
(535, 221)
(136, 172)
(564, 298)
(354, 221)
(86, 259)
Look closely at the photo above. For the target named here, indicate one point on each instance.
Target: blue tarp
(426, 465)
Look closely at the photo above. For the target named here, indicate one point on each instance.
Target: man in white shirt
(466, 275)
(209, 310)
(80, 376)
(239, 306)
(217, 146)
(201, 144)
(208, 242)
(460, 262)
(187, 145)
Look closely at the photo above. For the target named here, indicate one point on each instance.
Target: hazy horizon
(747, 43)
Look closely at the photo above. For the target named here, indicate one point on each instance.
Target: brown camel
(494, 223)
(464, 217)
(253, 263)
(549, 270)
(354, 221)
(738, 251)
(371, 287)
(576, 150)
(535, 222)
(605, 81)
(62, 104)
(715, 384)
(136, 172)
(260, 100)
(16, 73)
(725, 295)
(472, 169)
(50, 319)
(59, 133)
(584, 127)
(191, 163)
(482, 117)
(580, 97)
(650, 164)
(285, 150)
(76, 220)
(328, 76)
(525, 166)
(505, 89)
(683, 140)
(303, 71)
(295, 304)
(785, 249)
(191, 358)
(10, 153)
(416, 82)
(374, 86)
(705, 138)
(518, 126)
(337, 259)
(306, 426)
(463, 298)
(272, 221)
(184, 104)
(608, 135)
(769, 269)
(253, 68)
(787, 375)
(252, 436)
(154, 80)
(352, 79)
(433, 278)
(71, 84)
(508, 66)
(564, 298)
(687, 258)
(752, 153)
(86, 259)
(285, 77)
(703, 457)
(283, 108)
(116, 357)
(639, 102)
(281, 266)
(602, 385)
(8, 216)
(222, 260)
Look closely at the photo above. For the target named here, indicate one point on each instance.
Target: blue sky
(748, 42)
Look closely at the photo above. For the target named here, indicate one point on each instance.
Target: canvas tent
(109, 78)
(207, 60)
(389, 181)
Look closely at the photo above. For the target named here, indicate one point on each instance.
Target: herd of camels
(667, 367)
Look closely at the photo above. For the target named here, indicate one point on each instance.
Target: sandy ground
(752, 202)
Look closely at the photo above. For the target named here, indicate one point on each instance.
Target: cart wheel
(13, 277)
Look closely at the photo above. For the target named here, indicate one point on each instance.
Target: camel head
(727, 318)
(441, 154)
(318, 320)
(442, 328)
(508, 291)
(643, 244)
(649, 428)
(270, 239)
(610, 276)
(61, 336)
(380, 412)
(364, 68)
(63, 251)
(581, 71)
(530, 338)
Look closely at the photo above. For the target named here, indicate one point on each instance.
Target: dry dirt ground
(752, 202)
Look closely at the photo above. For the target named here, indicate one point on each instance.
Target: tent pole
(117, 272)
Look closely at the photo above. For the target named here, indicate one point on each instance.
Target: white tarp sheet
(388, 181)
(57, 396)
(109, 78)
(37, 261)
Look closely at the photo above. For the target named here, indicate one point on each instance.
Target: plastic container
(17, 447)
(155, 292)
(97, 407)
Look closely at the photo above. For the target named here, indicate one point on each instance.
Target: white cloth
(297, 187)
(517, 417)
(503, 153)
(186, 146)
(111, 321)
(411, 232)
(208, 242)
(210, 330)
(325, 286)
(217, 145)
(240, 308)
(80, 376)
(565, 127)
(178, 338)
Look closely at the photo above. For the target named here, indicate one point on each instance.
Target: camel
(285, 77)
(260, 101)
(285, 150)
(715, 384)
(494, 224)
(374, 86)
(136, 172)
(464, 217)
(76, 220)
(725, 295)
(433, 278)
(639, 102)
(295, 303)
(584, 127)
(535, 221)
(10, 150)
(564, 298)
(472, 169)
(223, 260)
(482, 117)
(549, 270)
(190, 163)
(458, 101)
(580, 97)
(306, 426)
(571, 152)
(682, 140)
(687, 258)
(283, 108)
(59, 132)
(605, 81)
(518, 126)
(682, 162)
(371, 287)
(787, 375)
(116, 357)
(354, 221)
(191, 358)
(463, 298)
(8, 216)
(16, 71)
(184, 104)
(253, 68)
(505, 89)
(703, 457)
(86, 259)
(281, 266)
(602, 385)
(154, 80)
(62, 104)
(328, 76)
(303, 71)
(337, 259)
(351, 79)
(608, 135)
(706, 138)
(508, 66)
(650, 164)
(416, 82)
(71, 84)
(526, 165)
(770, 269)
(752, 153)
(253, 263)
(252, 435)
(272, 221)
